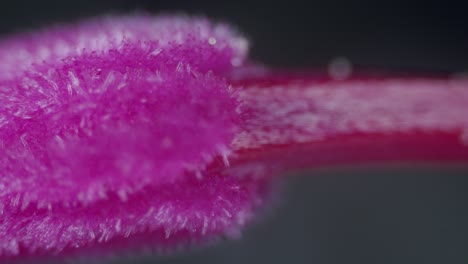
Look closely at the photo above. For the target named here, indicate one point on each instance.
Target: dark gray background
(390, 214)
(390, 34)
(395, 215)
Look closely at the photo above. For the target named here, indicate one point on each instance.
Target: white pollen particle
(212, 41)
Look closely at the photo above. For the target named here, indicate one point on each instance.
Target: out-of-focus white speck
(340, 68)
(212, 41)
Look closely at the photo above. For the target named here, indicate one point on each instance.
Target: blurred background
(405, 214)
(390, 34)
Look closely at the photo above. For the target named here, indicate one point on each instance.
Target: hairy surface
(106, 127)
(123, 133)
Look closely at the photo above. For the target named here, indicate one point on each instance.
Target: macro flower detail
(138, 132)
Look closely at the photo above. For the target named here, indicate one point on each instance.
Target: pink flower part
(189, 212)
(298, 121)
(106, 128)
(112, 105)
(196, 41)
(124, 133)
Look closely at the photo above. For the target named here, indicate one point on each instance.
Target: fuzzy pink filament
(105, 130)
(131, 132)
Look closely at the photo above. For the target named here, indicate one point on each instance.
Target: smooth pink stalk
(129, 133)
(299, 121)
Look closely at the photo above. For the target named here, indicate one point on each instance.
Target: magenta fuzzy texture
(106, 128)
